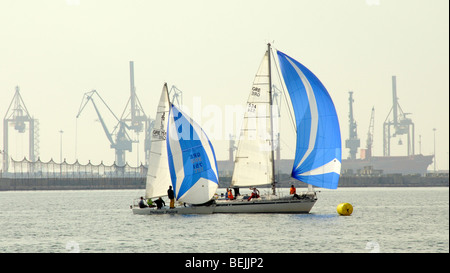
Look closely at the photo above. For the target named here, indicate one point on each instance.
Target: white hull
(270, 204)
(176, 210)
(265, 206)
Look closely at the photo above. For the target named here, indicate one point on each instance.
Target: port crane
(177, 95)
(353, 141)
(133, 118)
(369, 141)
(402, 125)
(18, 115)
(122, 141)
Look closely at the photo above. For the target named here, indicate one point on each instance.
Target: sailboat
(318, 141)
(181, 156)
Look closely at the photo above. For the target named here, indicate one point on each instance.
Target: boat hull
(176, 210)
(265, 206)
(259, 205)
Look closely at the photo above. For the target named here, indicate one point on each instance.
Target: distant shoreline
(19, 184)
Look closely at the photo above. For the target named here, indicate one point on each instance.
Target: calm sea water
(384, 220)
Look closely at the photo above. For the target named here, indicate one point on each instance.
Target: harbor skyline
(56, 51)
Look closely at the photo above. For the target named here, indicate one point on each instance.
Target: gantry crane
(401, 124)
(135, 117)
(18, 115)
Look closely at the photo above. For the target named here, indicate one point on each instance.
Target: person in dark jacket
(171, 196)
(142, 203)
(159, 203)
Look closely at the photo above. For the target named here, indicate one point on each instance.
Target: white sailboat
(183, 157)
(318, 151)
(185, 154)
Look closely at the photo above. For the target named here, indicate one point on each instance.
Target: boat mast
(271, 121)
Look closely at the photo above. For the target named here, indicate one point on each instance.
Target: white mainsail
(253, 163)
(158, 174)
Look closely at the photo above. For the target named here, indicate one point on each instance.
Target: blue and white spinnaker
(192, 162)
(318, 152)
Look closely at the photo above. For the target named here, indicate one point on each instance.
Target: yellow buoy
(344, 209)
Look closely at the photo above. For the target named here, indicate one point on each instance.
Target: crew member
(293, 191)
(230, 195)
(159, 203)
(255, 194)
(171, 196)
(142, 203)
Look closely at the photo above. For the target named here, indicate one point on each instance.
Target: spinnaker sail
(318, 150)
(192, 162)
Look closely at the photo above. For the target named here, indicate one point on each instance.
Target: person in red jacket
(255, 194)
(293, 191)
(230, 194)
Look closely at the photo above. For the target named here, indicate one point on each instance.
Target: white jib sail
(253, 162)
(158, 174)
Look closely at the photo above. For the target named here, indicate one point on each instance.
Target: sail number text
(251, 107)
(196, 160)
(256, 91)
(161, 134)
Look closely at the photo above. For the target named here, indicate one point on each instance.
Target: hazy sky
(56, 50)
